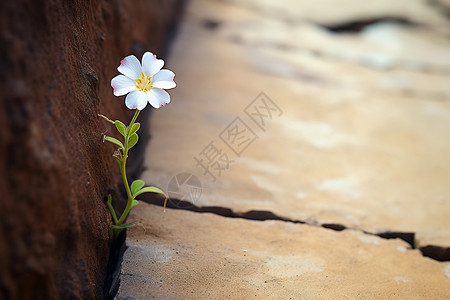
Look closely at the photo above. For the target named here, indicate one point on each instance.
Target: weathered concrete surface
(185, 255)
(57, 60)
(357, 137)
(361, 141)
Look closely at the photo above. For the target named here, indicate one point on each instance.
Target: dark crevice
(211, 24)
(408, 237)
(335, 227)
(359, 25)
(255, 215)
(263, 215)
(434, 252)
(117, 249)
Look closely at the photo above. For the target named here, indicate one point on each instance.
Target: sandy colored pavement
(282, 108)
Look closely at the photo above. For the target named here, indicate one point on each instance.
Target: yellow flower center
(144, 83)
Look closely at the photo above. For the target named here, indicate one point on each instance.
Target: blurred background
(353, 129)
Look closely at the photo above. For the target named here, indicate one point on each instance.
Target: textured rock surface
(185, 255)
(57, 59)
(360, 143)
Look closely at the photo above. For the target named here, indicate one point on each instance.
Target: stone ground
(319, 114)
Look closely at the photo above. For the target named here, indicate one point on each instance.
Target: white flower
(144, 83)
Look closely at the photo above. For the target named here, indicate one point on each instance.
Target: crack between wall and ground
(435, 252)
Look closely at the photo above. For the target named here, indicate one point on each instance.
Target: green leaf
(134, 203)
(121, 127)
(134, 128)
(122, 226)
(137, 185)
(111, 209)
(132, 140)
(149, 189)
(113, 140)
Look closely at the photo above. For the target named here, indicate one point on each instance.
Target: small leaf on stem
(137, 185)
(149, 189)
(132, 140)
(134, 203)
(134, 128)
(113, 140)
(121, 127)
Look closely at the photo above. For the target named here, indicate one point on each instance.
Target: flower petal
(130, 67)
(156, 66)
(157, 97)
(122, 85)
(150, 64)
(164, 79)
(136, 100)
(147, 61)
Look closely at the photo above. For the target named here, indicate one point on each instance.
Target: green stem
(136, 114)
(124, 173)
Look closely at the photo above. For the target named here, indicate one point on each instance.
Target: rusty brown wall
(56, 62)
